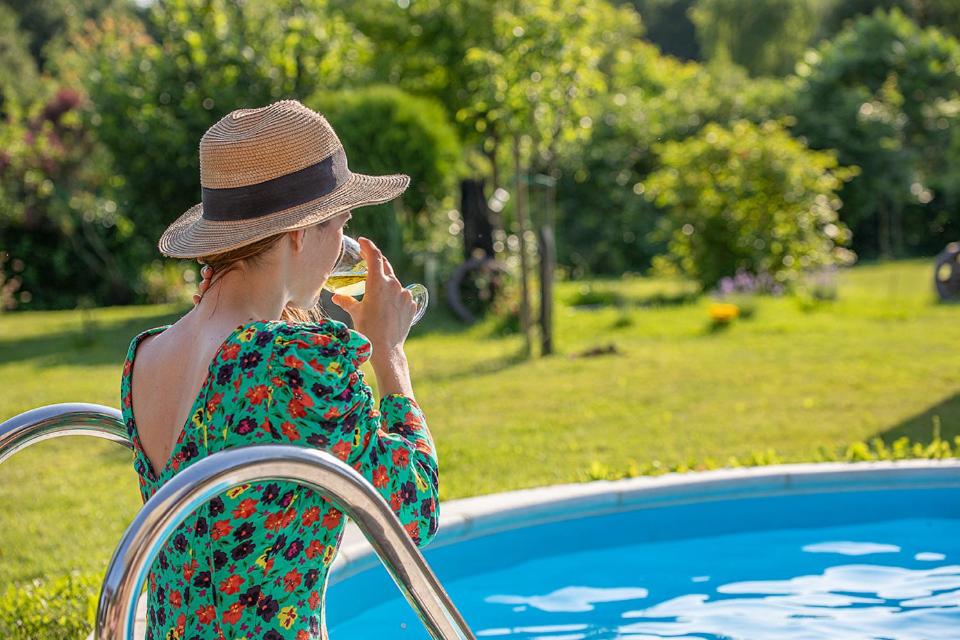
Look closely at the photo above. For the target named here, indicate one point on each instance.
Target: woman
(250, 364)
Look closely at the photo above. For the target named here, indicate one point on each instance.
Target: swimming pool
(795, 551)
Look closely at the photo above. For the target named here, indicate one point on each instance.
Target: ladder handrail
(215, 474)
(63, 419)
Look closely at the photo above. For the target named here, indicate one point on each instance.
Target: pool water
(877, 565)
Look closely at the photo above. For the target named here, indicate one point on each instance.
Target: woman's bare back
(168, 374)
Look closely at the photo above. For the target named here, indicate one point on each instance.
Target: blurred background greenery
(597, 119)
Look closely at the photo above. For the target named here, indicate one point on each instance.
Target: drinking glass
(349, 277)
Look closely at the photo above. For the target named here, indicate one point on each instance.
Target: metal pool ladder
(215, 474)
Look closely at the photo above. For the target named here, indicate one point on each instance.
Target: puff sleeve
(323, 400)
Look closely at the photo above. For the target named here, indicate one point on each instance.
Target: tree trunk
(477, 228)
(520, 207)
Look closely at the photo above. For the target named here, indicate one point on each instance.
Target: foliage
(748, 197)
(667, 24)
(605, 221)
(876, 449)
(385, 130)
(46, 22)
(53, 609)
(158, 86)
(767, 39)
(19, 80)
(886, 95)
(58, 208)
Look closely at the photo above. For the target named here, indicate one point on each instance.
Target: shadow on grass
(101, 342)
(919, 428)
(487, 367)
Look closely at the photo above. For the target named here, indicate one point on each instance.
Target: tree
(767, 37)
(548, 63)
(19, 80)
(158, 86)
(606, 223)
(750, 198)
(884, 94)
(386, 130)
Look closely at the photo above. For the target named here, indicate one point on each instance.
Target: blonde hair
(253, 253)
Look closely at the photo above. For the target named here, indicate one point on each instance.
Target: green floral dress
(252, 563)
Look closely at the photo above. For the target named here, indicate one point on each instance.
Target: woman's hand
(205, 271)
(387, 309)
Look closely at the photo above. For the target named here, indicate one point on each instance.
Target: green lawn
(877, 362)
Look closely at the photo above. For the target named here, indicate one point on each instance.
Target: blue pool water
(870, 565)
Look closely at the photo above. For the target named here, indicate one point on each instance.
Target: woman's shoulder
(326, 339)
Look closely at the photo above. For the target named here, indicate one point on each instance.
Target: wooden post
(521, 210)
(548, 262)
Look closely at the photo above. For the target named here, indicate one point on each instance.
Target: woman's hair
(253, 253)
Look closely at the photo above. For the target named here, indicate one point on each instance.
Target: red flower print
(413, 528)
(314, 549)
(297, 403)
(310, 516)
(395, 501)
(257, 394)
(314, 600)
(245, 509)
(290, 430)
(401, 457)
(331, 519)
(317, 365)
(176, 599)
(189, 568)
(220, 529)
(289, 516)
(423, 446)
(292, 580)
(229, 352)
(332, 412)
(302, 635)
(293, 361)
(214, 402)
(274, 521)
(380, 477)
(231, 585)
(233, 614)
(342, 449)
(206, 614)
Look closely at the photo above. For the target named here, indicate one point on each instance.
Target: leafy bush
(858, 451)
(59, 609)
(385, 130)
(605, 223)
(748, 197)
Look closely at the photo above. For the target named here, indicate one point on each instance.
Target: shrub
(58, 609)
(748, 197)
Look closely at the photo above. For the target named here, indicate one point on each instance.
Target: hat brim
(192, 236)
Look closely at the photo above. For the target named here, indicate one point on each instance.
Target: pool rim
(467, 518)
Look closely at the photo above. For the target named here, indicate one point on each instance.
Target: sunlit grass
(878, 361)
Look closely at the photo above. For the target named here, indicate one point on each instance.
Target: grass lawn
(877, 362)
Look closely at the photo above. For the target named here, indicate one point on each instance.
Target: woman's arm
(392, 372)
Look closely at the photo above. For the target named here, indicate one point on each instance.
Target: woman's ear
(297, 239)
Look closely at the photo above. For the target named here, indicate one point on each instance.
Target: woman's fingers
(388, 268)
(374, 258)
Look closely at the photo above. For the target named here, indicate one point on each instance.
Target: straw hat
(268, 170)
